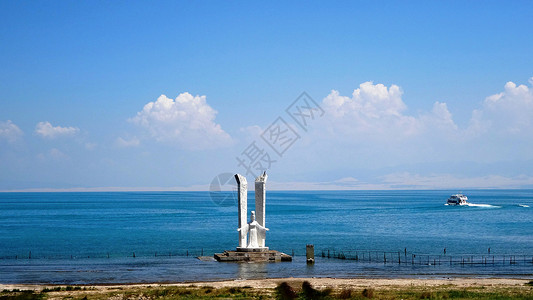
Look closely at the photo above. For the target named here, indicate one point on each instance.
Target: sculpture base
(252, 256)
(257, 249)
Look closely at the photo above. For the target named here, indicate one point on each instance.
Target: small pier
(252, 256)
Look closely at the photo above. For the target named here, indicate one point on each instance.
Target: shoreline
(287, 288)
(319, 282)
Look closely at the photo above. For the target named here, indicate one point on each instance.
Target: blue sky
(415, 94)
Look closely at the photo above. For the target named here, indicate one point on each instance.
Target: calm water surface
(92, 237)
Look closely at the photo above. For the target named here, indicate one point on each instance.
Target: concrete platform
(206, 258)
(263, 256)
(258, 249)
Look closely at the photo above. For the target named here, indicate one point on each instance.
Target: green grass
(448, 293)
(205, 292)
(283, 291)
(286, 291)
(19, 295)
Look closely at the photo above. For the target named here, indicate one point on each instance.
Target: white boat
(457, 199)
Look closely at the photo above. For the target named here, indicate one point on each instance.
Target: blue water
(93, 237)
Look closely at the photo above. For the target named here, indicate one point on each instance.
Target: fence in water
(133, 254)
(404, 257)
(372, 256)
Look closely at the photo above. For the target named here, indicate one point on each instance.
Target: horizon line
(181, 189)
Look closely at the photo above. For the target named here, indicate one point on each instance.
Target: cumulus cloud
(46, 130)
(509, 112)
(9, 131)
(439, 117)
(187, 121)
(369, 103)
(378, 112)
(373, 131)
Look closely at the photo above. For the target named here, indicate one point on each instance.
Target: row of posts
(133, 255)
(511, 259)
(310, 257)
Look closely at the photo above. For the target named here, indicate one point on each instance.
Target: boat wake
(523, 205)
(482, 205)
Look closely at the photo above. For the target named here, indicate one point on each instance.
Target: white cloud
(439, 117)
(373, 132)
(9, 131)
(46, 130)
(187, 121)
(368, 105)
(377, 112)
(133, 142)
(509, 112)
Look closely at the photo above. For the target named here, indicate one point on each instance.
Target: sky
(323, 95)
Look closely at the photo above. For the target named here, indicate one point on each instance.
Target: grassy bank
(295, 289)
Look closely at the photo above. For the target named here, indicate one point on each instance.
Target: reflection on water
(252, 270)
(310, 269)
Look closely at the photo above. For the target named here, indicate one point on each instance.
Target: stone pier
(263, 256)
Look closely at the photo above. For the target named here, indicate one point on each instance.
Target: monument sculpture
(257, 234)
(252, 235)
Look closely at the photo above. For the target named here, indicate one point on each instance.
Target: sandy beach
(317, 282)
(266, 287)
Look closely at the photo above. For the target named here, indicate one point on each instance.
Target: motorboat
(457, 199)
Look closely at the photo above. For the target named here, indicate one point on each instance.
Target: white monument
(255, 230)
(260, 197)
(256, 234)
(252, 234)
(243, 199)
